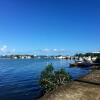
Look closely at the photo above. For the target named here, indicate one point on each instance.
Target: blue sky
(27, 25)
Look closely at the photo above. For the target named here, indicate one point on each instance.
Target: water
(19, 78)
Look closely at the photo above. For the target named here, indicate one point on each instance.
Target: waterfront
(85, 88)
(19, 78)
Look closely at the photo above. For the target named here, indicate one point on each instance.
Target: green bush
(51, 79)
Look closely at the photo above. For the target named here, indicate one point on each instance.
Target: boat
(81, 64)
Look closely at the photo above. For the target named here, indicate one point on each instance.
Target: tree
(51, 79)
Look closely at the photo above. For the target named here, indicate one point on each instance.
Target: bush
(51, 79)
(97, 60)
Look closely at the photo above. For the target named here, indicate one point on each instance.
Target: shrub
(97, 60)
(51, 79)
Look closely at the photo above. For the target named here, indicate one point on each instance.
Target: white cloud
(3, 48)
(46, 50)
(54, 49)
(13, 50)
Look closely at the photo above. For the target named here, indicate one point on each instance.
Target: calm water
(19, 78)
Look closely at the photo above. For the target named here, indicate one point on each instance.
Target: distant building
(21, 56)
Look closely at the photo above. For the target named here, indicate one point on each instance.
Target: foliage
(88, 54)
(51, 79)
(97, 60)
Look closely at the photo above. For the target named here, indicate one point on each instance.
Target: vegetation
(97, 61)
(88, 54)
(51, 79)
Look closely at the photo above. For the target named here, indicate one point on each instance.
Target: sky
(49, 26)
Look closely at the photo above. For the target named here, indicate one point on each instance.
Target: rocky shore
(86, 88)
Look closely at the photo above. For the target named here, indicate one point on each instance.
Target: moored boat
(81, 64)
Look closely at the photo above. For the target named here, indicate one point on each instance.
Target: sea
(19, 78)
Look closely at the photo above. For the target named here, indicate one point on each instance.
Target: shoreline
(81, 89)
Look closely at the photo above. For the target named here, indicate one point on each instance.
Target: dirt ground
(93, 77)
(78, 90)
